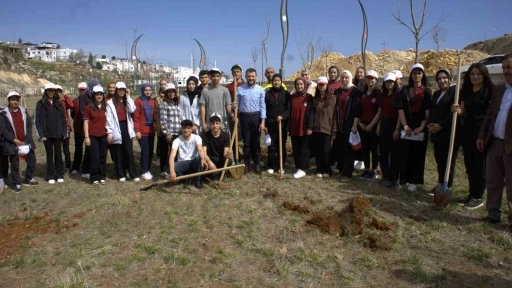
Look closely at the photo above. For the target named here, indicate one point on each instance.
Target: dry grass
(243, 237)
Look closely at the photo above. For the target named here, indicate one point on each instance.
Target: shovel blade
(446, 196)
(437, 194)
(237, 173)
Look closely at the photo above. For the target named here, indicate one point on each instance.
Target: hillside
(389, 60)
(500, 45)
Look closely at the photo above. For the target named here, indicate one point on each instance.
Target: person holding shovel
(216, 144)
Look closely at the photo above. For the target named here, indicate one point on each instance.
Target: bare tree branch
(264, 48)
(255, 53)
(308, 47)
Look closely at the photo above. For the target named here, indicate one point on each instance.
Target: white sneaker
(136, 179)
(122, 179)
(299, 174)
(86, 176)
(60, 180)
(102, 182)
(270, 171)
(96, 182)
(74, 172)
(164, 174)
(147, 176)
(281, 171)
(412, 187)
(51, 182)
(319, 175)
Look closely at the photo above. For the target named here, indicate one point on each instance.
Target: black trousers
(474, 161)
(123, 154)
(273, 149)
(67, 154)
(15, 167)
(4, 164)
(98, 159)
(441, 156)
(147, 144)
(54, 167)
(412, 161)
(300, 146)
(388, 150)
(163, 153)
(250, 123)
(322, 146)
(370, 142)
(345, 155)
(78, 165)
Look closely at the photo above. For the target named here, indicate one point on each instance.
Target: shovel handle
(230, 146)
(280, 151)
(235, 91)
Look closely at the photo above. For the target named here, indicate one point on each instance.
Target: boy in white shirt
(191, 158)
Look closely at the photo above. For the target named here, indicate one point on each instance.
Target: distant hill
(500, 45)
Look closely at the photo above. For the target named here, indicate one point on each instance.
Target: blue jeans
(187, 167)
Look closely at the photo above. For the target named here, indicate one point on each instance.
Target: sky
(229, 29)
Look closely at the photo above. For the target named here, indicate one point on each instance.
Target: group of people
(326, 119)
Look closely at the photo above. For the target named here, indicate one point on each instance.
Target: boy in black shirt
(216, 144)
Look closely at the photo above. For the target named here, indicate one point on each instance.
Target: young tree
(419, 16)
(308, 46)
(438, 36)
(103, 57)
(255, 53)
(99, 66)
(90, 60)
(113, 57)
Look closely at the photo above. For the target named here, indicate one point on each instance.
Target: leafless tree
(255, 53)
(438, 36)
(419, 16)
(384, 43)
(308, 46)
(264, 47)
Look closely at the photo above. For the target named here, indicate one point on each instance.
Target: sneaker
(31, 182)
(411, 188)
(431, 192)
(147, 176)
(60, 180)
(86, 175)
(246, 170)
(299, 174)
(102, 182)
(67, 171)
(96, 182)
(257, 169)
(371, 176)
(122, 179)
(51, 182)
(364, 174)
(474, 204)
(164, 175)
(465, 200)
(326, 175)
(17, 189)
(389, 184)
(319, 175)
(198, 185)
(281, 171)
(270, 171)
(74, 172)
(136, 179)
(490, 220)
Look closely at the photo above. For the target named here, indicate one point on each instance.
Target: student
(215, 98)
(158, 129)
(78, 127)
(277, 103)
(475, 97)
(68, 105)
(17, 142)
(300, 126)
(111, 92)
(359, 78)
(170, 121)
(95, 132)
(269, 74)
(189, 103)
(348, 111)
(324, 127)
(50, 123)
(216, 144)
(440, 126)
(204, 79)
(334, 79)
(191, 158)
(414, 105)
(143, 122)
(121, 132)
(389, 131)
(370, 116)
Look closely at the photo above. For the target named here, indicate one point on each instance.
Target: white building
(64, 54)
(181, 74)
(40, 53)
(49, 45)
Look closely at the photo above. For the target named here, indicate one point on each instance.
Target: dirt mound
(327, 223)
(270, 193)
(296, 207)
(500, 45)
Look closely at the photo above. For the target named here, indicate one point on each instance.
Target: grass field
(258, 232)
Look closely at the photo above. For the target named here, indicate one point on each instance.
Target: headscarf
(148, 110)
(192, 94)
(349, 74)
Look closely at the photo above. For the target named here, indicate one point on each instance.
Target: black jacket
(441, 114)
(8, 133)
(279, 107)
(42, 108)
(402, 103)
(352, 109)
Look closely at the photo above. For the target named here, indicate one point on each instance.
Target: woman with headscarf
(277, 103)
(121, 132)
(370, 116)
(144, 123)
(414, 105)
(189, 103)
(475, 97)
(389, 131)
(171, 116)
(347, 113)
(440, 126)
(300, 126)
(324, 105)
(51, 128)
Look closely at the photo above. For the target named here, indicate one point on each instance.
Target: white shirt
(441, 96)
(501, 119)
(187, 150)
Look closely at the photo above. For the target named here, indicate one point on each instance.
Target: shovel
(237, 173)
(442, 194)
(236, 121)
(280, 153)
(230, 168)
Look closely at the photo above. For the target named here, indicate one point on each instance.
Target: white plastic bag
(355, 141)
(267, 139)
(23, 150)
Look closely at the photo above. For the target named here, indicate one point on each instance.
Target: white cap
(373, 74)
(82, 85)
(49, 85)
(57, 87)
(120, 85)
(214, 70)
(12, 93)
(97, 89)
(322, 79)
(417, 66)
(398, 74)
(216, 114)
(169, 86)
(390, 76)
